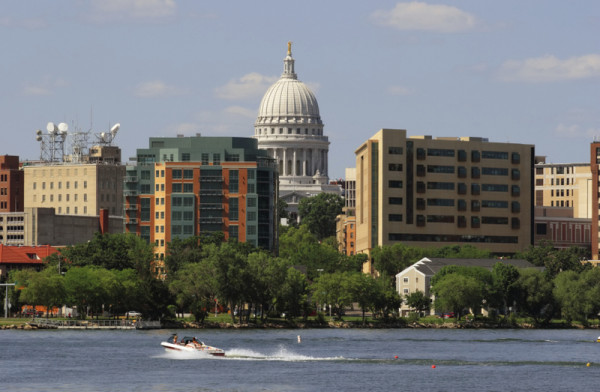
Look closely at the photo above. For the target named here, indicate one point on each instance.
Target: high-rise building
(186, 186)
(11, 184)
(426, 192)
(290, 129)
(594, 164)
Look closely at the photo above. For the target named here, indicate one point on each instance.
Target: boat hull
(191, 348)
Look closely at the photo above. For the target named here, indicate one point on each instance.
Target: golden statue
(289, 48)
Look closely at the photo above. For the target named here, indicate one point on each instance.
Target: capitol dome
(289, 128)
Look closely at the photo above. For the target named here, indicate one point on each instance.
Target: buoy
(299, 339)
(396, 357)
(588, 364)
(433, 366)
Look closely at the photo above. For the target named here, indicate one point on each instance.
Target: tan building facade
(564, 185)
(425, 191)
(75, 189)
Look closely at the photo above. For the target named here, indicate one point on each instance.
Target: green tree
(318, 213)
(505, 277)
(390, 260)
(334, 289)
(535, 295)
(293, 294)
(365, 291)
(578, 294)
(458, 293)
(88, 288)
(195, 287)
(266, 275)
(418, 301)
(45, 288)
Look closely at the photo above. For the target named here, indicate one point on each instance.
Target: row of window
(476, 205)
(290, 131)
(460, 238)
(67, 198)
(75, 185)
(476, 155)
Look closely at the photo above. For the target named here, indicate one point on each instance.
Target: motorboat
(190, 344)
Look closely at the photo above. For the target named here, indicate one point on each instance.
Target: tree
(418, 301)
(534, 295)
(293, 294)
(45, 288)
(365, 291)
(578, 294)
(195, 287)
(390, 260)
(505, 277)
(457, 292)
(334, 289)
(318, 213)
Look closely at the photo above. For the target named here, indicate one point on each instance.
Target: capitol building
(290, 128)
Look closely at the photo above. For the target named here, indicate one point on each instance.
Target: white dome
(291, 99)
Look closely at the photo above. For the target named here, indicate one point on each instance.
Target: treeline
(112, 273)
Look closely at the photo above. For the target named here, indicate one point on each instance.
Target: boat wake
(281, 354)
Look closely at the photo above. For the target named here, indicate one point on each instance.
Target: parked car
(448, 315)
(133, 313)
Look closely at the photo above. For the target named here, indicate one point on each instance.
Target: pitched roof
(431, 266)
(25, 254)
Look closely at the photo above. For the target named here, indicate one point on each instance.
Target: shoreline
(397, 324)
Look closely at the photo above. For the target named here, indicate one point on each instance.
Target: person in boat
(175, 338)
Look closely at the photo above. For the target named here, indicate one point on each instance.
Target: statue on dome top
(289, 48)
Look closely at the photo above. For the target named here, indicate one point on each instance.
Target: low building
(558, 226)
(21, 257)
(42, 226)
(418, 276)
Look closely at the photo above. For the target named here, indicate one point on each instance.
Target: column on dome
(304, 162)
(294, 165)
(284, 153)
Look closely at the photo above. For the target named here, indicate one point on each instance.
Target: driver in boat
(196, 343)
(175, 338)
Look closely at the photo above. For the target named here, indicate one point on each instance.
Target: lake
(324, 360)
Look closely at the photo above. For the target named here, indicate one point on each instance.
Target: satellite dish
(103, 136)
(115, 129)
(38, 132)
(51, 128)
(63, 127)
(38, 138)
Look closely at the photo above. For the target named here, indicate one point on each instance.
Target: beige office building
(564, 185)
(424, 191)
(75, 189)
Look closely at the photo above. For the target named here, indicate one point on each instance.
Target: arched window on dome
(306, 131)
(289, 131)
(298, 131)
(280, 131)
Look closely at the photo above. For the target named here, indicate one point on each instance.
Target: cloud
(248, 86)
(399, 90)
(48, 86)
(29, 23)
(551, 69)
(155, 89)
(110, 10)
(425, 17)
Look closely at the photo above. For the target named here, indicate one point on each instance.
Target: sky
(519, 71)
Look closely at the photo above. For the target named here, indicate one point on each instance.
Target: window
(395, 167)
(233, 181)
(439, 152)
(188, 188)
(494, 155)
(462, 156)
(405, 279)
(175, 188)
(395, 200)
(446, 186)
(177, 174)
(494, 171)
(395, 150)
(185, 157)
(440, 169)
(216, 159)
(188, 174)
(475, 156)
(475, 172)
(233, 208)
(395, 184)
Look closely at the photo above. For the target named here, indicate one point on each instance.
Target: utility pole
(6, 298)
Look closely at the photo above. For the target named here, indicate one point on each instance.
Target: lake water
(325, 360)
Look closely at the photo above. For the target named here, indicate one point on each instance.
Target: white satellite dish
(51, 127)
(115, 129)
(63, 127)
(103, 136)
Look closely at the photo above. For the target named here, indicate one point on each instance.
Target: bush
(413, 317)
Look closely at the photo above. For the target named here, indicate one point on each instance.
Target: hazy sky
(523, 71)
